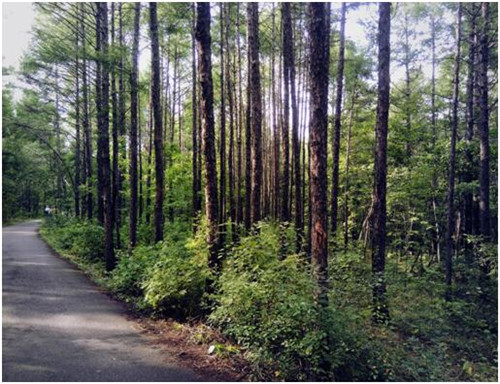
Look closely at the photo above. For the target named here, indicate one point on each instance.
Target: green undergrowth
(263, 302)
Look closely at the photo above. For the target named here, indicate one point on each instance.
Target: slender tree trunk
(207, 97)
(483, 126)
(174, 99)
(256, 107)
(337, 124)
(157, 118)
(380, 309)
(134, 111)
(299, 206)
(239, 210)
(141, 173)
(434, 137)
(150, 159)
(115, 112)
(222, 178)
(122, 151)
(57, 129)
(196, 183)
(103, 136)
(451, 175)
(230, 97)
(248, 153)
(319, 64)
(86, 125)
(276, 141)
(285, 128)
(77, 126)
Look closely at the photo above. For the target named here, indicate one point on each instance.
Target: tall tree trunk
(157, 118)
(122, 151)
(115, 112)
(239, 210)
(285, 128)
(451, 173)
(86, 124)
(57, 129)
(230, 97)
(276, 141)
(319, 64)
(98, 97)
(207, 101)
(380, 309)
(134, 111)
(336, 123)
(174, 99)
(196, 183)
(248, 152)
(150, 159)
(299, 206)
(77, 126)
(434, 137)
(103, 136)
(256, 106)
(483, 126)
(222, 178)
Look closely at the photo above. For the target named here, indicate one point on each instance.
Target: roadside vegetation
(264, 306)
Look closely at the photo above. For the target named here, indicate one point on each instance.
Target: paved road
(58, 327)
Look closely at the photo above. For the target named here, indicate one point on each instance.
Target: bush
(128, 276)
(267, 306)
(175, 284)
(77, 237)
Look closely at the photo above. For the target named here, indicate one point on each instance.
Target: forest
(315, 181)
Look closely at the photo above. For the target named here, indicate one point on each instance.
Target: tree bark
(86, 126)
(77, 126)
(256, 107)
(380, 309)
(222, 178)
(319, 64)
(134, 111)
(230, 97)
(337, 124)
(239, 200)
(103, 137)
(285, 128)
(114, 112)
(157, 119)
(207, 110)
(196, 191)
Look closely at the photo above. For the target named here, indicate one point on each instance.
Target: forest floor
(58, 326)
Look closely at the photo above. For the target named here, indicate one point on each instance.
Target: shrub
(175, 284)
(77, 237)
(128, 276)
(266, 305)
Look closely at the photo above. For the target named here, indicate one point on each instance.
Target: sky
(18, 19)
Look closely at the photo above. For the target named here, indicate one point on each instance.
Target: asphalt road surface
(57, 326)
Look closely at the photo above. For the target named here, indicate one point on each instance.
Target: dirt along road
(57, 326)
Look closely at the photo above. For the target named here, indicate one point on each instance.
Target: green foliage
(79, 238)
(169, 277)
(267, 305)
(128, 276)
(175, 284)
